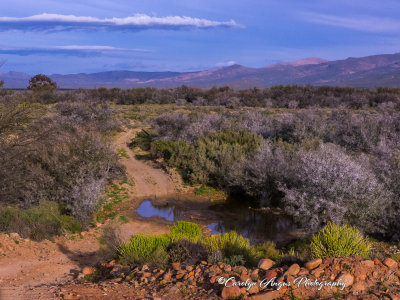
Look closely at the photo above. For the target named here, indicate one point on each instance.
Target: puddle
(256, 225)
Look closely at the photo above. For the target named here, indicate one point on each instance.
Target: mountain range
(363, 72)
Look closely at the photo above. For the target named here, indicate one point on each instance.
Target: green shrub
(39, 222)
(339, 241)
(141, 248)
(232, 244)
(235, 260)
(186, 230)
(268, 250)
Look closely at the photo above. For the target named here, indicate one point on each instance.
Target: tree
(40, 83)
(1, 84)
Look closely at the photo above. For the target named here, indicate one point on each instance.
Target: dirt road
(33, 270)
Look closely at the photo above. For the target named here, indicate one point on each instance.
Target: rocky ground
(363, 279)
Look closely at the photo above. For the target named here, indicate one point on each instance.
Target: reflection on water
(256, 225)
(169, 211)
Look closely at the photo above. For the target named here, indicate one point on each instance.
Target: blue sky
(74, 36)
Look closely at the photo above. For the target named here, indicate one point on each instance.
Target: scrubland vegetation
(323, 154)
(186, 244)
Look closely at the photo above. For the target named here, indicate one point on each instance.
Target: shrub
(142, 249)
(233, 244)
(215, 257)
(186, 230)
(187, 252)
(268, 250)
(339, 241)
(37, 223)
(235, 260)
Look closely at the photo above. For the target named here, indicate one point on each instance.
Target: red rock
(360, 286)
(230, 292)
(346, 278)
(377, 261)
(390, 263)
(176, 266)
(88, 270)
(265, 264)
(266, 296)
(254, 289)
(293, 270)
(368, 263)
(270, 274)
(317, 272)
(312, 264)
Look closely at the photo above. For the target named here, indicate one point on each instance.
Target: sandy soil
(35, 270)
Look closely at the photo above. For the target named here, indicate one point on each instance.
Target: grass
(204, 190)
(122, 153)
(116, 193)
(339, 241)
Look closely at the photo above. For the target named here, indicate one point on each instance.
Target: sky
(63, 37)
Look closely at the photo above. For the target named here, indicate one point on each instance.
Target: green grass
(187, 231)
(122, 153)
(339, 241)
(204, 190)
(116, 193)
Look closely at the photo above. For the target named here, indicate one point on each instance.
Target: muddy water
(255, 224)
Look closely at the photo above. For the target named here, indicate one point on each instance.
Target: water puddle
(256, 225)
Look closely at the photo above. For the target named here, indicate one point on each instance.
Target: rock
(270, 274)
(359, 286)
(230, 292)
(312, 264)
(254, 289)
(317, 272)
(254, 275)
(88, 270)
(293, 270)
(266, 296)
(390, 263)
(265, 263)
(368, 263)
(167, 277)
(176, 266)
(346, 278)
(111, 264)
(189, 268)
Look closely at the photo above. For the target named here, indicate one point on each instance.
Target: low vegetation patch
(339, 241)
(38, 223)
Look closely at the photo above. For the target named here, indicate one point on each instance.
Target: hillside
(366, 72)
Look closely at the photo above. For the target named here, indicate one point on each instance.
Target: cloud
(68, 50)
(225, 64)
(56, 22)
(360, 23)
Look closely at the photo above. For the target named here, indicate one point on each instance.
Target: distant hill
(370, 71)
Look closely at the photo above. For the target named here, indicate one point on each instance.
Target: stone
(293, 270)
(230, 292)
(265, 263)
(368, 263)
(176, 266)
(317, 272)
(270, 274)
(167, 277)
(390, 263)
(88, 270)
(346, 278)
(359, 287)
(266, 296)
(254, 289)
(312, 264)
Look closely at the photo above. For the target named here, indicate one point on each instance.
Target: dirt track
(32, 270)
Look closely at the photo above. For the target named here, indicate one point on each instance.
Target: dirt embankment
(33, 270)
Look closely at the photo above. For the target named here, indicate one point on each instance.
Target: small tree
(40, 83)
(43, 88)
(1, 84)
